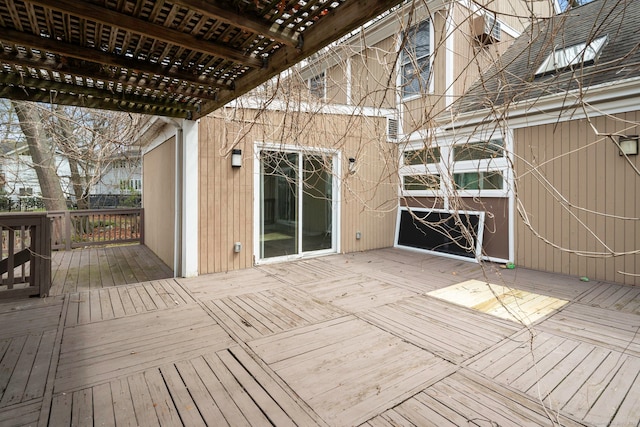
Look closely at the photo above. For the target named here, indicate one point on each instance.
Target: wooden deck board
(115, 302)
(432, 325)
(356, 293)
(102, 267)
(338, 340)
(251, 316)
(131, 344)
(569, 375)
(346, 368)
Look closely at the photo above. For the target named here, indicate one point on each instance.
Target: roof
(178, 58)
(513, 78)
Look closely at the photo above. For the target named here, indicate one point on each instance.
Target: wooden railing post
(67, 230)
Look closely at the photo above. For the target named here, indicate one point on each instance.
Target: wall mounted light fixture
(352, 165)
(628, 145)
(236, 158)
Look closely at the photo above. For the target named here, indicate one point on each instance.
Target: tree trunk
(66, 143)
(42, 155)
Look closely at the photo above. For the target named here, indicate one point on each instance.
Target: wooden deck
(345, 340)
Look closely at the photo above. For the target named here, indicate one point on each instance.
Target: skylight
(572, 56)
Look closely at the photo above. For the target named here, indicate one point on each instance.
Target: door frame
(335, 208)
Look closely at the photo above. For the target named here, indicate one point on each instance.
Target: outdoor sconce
(352, 165)
(236, 158)
(628, 145)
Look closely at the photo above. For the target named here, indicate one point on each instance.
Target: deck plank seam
(47, 398)
(264, 366)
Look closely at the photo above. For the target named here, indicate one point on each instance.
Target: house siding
(578, 196)
(159, 200)
(226, 195)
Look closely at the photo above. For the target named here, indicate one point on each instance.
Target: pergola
(178, 58)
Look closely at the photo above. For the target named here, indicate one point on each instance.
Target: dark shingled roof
(513, 79)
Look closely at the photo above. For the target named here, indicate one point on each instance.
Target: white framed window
(572, 56)
(318, 85)
(470, 168)
(416, 61)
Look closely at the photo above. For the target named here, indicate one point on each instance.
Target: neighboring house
(120, 183)
(560, 121)
(121, 178)
(20, 181)
(318, 169)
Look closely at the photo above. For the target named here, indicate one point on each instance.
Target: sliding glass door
(296, 203)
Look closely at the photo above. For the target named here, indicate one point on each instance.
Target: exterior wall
(470, 57)
(373, 81)
(368, 197)
(577, 195)
(159, 200)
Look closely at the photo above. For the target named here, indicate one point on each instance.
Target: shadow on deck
(102, 267)
(368, 339)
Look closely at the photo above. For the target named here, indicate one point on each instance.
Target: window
(421, 182)
(422, 157)
(474, 168)
(572, 56)
(415, 61)
(317, 86)
(479, 180)
(478, 150)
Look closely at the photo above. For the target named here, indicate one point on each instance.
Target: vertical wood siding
(158, 192)
(369, 197)
(580, 197)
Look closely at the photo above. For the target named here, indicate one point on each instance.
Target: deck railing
(77, 229)
(25, 268)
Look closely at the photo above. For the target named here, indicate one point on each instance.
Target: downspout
(178, 178)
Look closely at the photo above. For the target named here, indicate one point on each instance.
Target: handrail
(80, 228)
(25, 254)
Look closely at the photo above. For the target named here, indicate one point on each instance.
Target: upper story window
(422, 156)
(318, 85)
(572, 56)
(415, 61)
(470, 168)
(478, 150)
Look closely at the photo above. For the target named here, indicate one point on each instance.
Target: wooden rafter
(247, 23)
(178, 58)
(148, 29)
(93, 56)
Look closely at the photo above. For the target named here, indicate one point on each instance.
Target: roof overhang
(178, 58)
(608, 98)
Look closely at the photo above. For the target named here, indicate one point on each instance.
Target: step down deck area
(341, 340)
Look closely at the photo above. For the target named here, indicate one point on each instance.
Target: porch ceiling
(178, 58)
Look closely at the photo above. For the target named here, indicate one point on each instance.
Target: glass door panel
(317, 203)
(279, 194)
(296, 203)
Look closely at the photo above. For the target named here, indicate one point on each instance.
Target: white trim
(479, 238)
(335, 206)
(190, 190)
(349, 78)
(449, 59)
(254, 103)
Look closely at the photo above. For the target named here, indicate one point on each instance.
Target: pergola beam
(55, 88)
(22, 94)
(91, 55)
(247, 23)
(125, 22)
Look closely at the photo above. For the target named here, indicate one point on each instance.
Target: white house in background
(19, 180)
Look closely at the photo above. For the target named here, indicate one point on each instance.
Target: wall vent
(392, 129)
